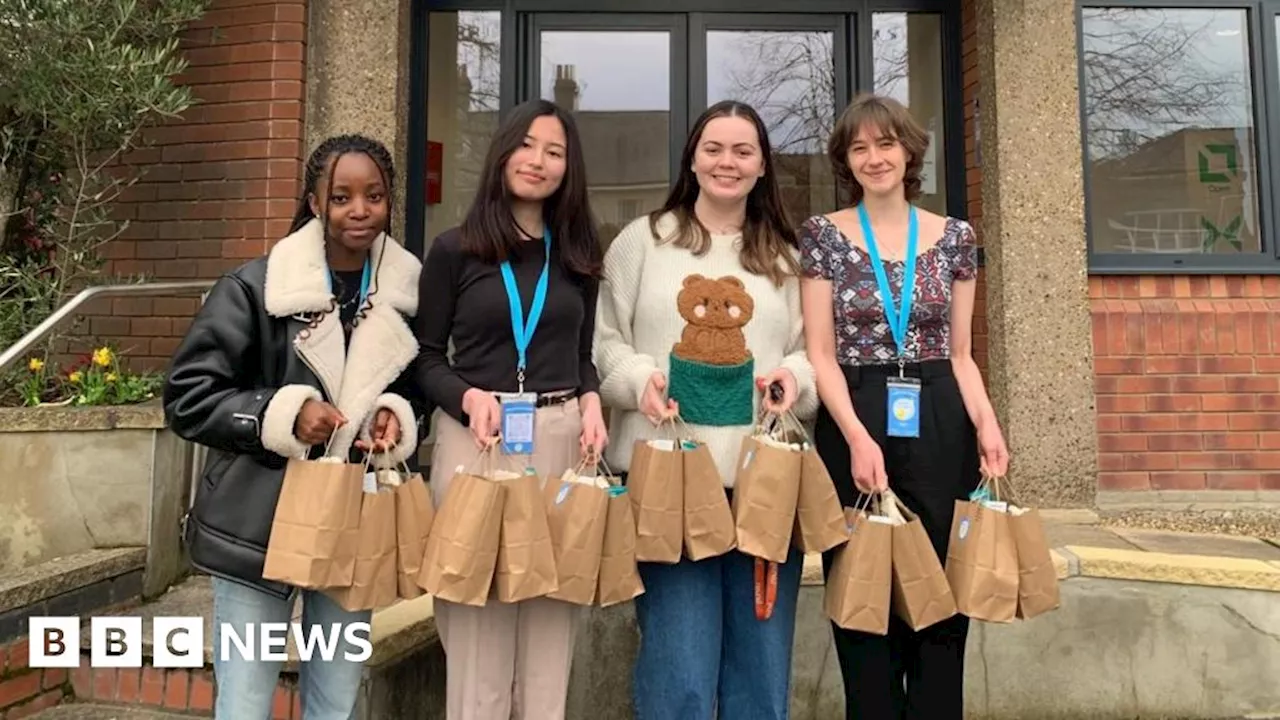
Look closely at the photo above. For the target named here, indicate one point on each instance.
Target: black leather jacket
(232, 363)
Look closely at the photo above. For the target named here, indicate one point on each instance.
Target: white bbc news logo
(178, 642)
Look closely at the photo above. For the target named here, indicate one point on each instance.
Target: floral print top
(862, 331)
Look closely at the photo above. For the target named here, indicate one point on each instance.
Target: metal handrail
(18, 349)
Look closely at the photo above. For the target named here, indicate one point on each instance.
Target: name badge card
(904, 408)
(518, 413)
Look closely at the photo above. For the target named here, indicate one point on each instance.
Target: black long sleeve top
(462, 298)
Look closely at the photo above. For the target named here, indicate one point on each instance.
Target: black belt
(555, 398)
(924, 371)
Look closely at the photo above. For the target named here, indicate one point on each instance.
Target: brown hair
(767, 233)
(891, 119)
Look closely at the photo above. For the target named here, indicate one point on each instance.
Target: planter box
(78, 479)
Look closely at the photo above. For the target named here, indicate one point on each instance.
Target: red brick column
(973, 167)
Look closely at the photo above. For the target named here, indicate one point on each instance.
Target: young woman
(514, 288)
(866, 347)
(292, 352)
(722, 250)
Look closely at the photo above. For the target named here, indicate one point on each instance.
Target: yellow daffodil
(102, 357)
(36, 365)
(111, 377)
(74, 377)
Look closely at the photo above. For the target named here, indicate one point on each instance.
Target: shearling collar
(298, 280)
(381, 345)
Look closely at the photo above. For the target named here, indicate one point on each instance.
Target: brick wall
(220, 184)
(973, 168)
(1188, 382)
(25, 691)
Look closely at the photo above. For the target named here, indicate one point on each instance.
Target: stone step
(92, 711)
(72, 585)
(405, 674)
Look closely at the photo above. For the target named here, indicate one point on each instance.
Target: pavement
(1085, 544)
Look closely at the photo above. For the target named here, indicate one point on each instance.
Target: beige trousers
(508, 661)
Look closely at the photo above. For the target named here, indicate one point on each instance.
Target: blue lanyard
(897, 325)
(364, 283)
(522, 330)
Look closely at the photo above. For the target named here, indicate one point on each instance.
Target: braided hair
(322, 161)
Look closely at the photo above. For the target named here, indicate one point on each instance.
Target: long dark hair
(322, 160)
(489, 230)
(767, 234)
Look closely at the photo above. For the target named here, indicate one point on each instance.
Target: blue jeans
(245, 688)
(703, 653)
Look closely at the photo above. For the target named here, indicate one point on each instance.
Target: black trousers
(907, 675)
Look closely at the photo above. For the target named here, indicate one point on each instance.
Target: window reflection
(462, 108)
(1170, 131)
(907, 48)
(617, 84)
(789, 78)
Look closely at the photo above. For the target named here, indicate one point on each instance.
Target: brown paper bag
(820, 522)
(375, 577)
(619, 575)
(526, 566)
(982, 562)
(920, 593)
(655, 486)
(462, 549)
(1037, 577)
(415, 514)
(708, 520)
(857, 595)
(765, 494)
(577, 508)
(317, 519)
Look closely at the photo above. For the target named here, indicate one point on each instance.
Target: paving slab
(1190, 543)
(1069, 516)
(1203, 570)
(1061, 535)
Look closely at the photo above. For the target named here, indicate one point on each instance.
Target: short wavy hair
(891, 119)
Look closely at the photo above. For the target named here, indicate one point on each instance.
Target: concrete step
(72, 585)
(91, 711)
(404, 677)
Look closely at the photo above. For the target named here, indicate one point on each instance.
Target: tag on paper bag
(576, 514)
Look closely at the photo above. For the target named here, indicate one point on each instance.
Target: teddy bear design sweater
(708, 325)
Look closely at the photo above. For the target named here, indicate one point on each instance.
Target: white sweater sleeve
(796, 359)
(624, 372)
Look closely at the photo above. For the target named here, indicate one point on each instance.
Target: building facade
(1116, 160)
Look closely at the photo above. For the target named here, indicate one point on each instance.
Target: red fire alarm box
(435, 171)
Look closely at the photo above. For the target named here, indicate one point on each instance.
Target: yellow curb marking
(1204, 570)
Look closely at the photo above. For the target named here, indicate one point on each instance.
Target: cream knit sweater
(638, 322)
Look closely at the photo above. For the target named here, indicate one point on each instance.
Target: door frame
(516, 37)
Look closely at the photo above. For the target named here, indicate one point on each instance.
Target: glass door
(637, 82)
(622, 77)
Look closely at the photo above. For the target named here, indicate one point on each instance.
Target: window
(1177, 158)
(908, 53)
(461, 109)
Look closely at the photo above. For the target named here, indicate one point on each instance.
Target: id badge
(904, 407)
(518, 412)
